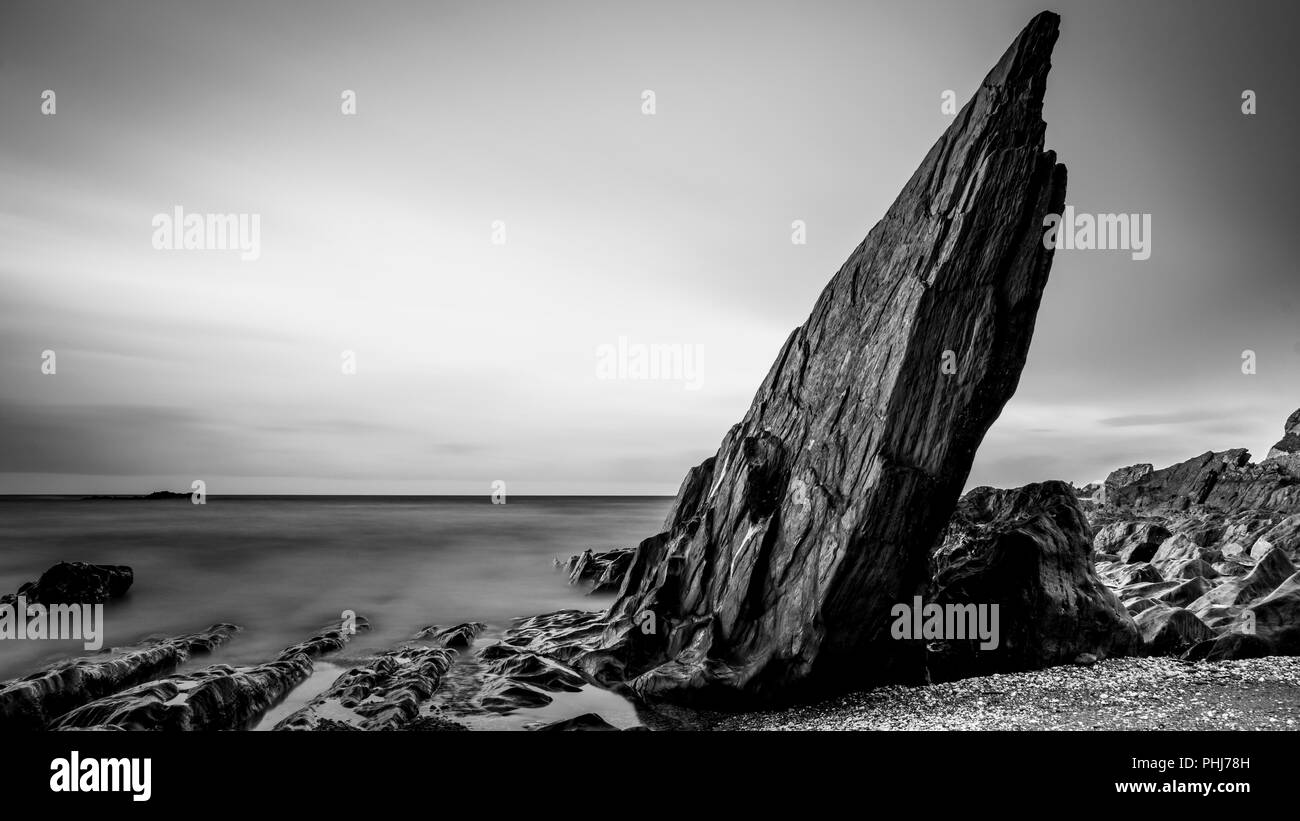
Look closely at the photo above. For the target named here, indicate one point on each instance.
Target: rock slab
(785, 552)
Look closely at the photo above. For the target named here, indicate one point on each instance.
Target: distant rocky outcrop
(784, 554)
(1122, 478)
(155, 496)
(1223, 482)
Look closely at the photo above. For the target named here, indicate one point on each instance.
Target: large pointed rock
(785, 552)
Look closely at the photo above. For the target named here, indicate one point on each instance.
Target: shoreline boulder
(76, 583)
(1027, 550)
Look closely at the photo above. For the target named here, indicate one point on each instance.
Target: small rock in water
(458, 638)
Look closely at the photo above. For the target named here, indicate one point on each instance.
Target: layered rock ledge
(219, 697)
(34, 702)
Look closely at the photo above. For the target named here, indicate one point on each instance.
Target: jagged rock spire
(785, 552)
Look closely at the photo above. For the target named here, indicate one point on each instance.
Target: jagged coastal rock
(1204, 553)
(1130, 541)
(785, 552)
(603, 571)
(1222, 482)
(1284, 536)
(219, 697)
(33, 702)
(385, 694)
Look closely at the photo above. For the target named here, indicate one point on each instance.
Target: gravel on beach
(1116, 694)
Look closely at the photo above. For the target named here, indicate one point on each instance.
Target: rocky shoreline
(1152, 600)
(779, 573)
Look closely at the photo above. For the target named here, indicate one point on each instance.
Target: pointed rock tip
(1029, 57)
(1046, 18)
(1046, 25)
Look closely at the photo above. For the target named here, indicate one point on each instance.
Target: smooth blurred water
(283, 567)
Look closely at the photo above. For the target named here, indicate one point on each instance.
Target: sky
(477, 360)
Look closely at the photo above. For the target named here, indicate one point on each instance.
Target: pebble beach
(1115, 694)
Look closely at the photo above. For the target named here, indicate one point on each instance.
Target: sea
(283, 567)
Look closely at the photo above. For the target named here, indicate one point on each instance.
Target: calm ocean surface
(283, 567)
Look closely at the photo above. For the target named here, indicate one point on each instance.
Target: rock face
(1029, 552)
(1122, 478)
(603, 571)
(1178, 486)
(1223, 481)
(1284, 536)
(1289, 444)
(1130, 541)
(33, 702)
(1180, 557)
(76, 583)
(1277, 617)
(1271, 570)
(518, 671)
(1169, 630)
(214, 698)
(784, 553)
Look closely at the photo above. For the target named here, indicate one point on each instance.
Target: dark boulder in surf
(76, 583)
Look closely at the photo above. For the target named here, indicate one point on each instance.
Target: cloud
(1171, 418)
